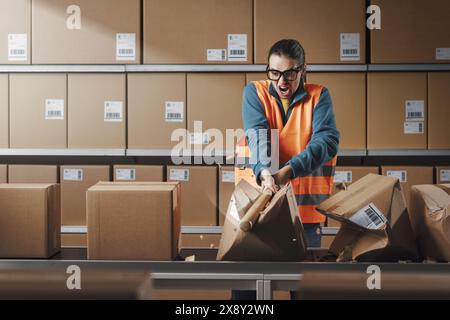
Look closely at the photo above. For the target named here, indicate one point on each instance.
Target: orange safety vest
(294, 137)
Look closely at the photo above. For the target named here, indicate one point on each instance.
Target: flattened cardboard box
(375, 222)
(140, 173)
(276, 236)
(15, 31)
(439, 110)
(30, 220)
(32, 174)
(431, 214)
(134, 221)
(86, 32)
(208, 31)
(4, 111)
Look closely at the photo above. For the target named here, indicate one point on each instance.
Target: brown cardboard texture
(438, 110)
(30, 220)
(140, 173)
(431, 213)
(276, 236)
(3, 173)
(375, 221)
(4, 111)
(32, 174)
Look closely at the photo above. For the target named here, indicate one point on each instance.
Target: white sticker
(179, 174)
(444, 175)
(443, 54)
(343, 176)
(126, 46)
(198, 138)
(216, 54)
(228, 176)
(350, 47)
(113, 111)
(73, 174)
(413, 127)
(400, 175)
(174, 111)
(415, 110)
(54, 109)
(370, 218)
(17, 47)
(125, 174)
(233, 213)
(237, 47)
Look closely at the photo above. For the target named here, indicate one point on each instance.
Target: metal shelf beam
(427, 153)
(62, 68)
(62, 152)
(409, 67)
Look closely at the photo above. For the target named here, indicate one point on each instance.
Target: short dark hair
(290, 48)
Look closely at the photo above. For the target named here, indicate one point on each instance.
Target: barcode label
(198, 138)
(343, 176)
(444, 175)
(228, 176)
(415, 110)
(17, 46)
(54, 109)
(369, 218)
(179, 174)
(174, 111)
(413, 127)
(113, 111)
(216, 54)
(125, 174)
(350, 47)
(237, 47)
(73, 174)
(400, 175)
(126, 46)
(442, 53)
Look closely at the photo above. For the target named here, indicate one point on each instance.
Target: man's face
(285, 88)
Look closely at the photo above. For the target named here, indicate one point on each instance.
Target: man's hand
(283, 176)
(267, 181)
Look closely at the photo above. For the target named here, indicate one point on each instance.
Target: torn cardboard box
(430, 213)
(374, 219)
(277, 234)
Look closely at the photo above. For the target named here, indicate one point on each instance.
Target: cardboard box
(348, 92)
(138, 173)
(38, 119)
(438, 110)
(137, 214)
(97, 111)
(202, 28)
(442, 175)
(30, 217)
(3, 173)
(32, 174)
(409, 176)
(226, 188)
(198, 193)
(156, 108)
(277, 234)
(71, 240)
(86, 32)
(299, 17)
(193, 295)
(15, 31)
(200, 241)
(375, 222)
(75, 180)
(403, 23)
(397, 111)
(430, 213)
(4, 111)
(256, 76)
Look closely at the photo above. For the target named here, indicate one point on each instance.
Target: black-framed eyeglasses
(288, 75)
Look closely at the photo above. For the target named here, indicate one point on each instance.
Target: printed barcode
(113, 115)
(415, 115)
(17, 52)
(349, 177)
(403, 176)
(185, 175)
(126, 51)
(223, 55)
(373, 216)
(79, 175)
(350, 52)
(420, 127)
(174, 116)
(132, 174)
(237, 52)
(54, 113)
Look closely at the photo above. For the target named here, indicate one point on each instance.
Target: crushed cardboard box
(375, 221)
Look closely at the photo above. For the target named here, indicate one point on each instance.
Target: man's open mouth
(284, 89)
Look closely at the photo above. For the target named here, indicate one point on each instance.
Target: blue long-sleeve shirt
(324, 142)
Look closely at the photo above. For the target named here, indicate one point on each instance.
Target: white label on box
(113, 111)
(125, 174)
(350, 47)
(400, 175)
(415, 110)
(179, 174)
(237, 47)
(228, 176)
(126, 46)
(343, 176)
(444, 175)
(17, 47)
(54, 109)
(174, 111)
(73, 174)
(216, 54)
(443, 54)
(369, 217)
(197, 138)
(413, 127)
